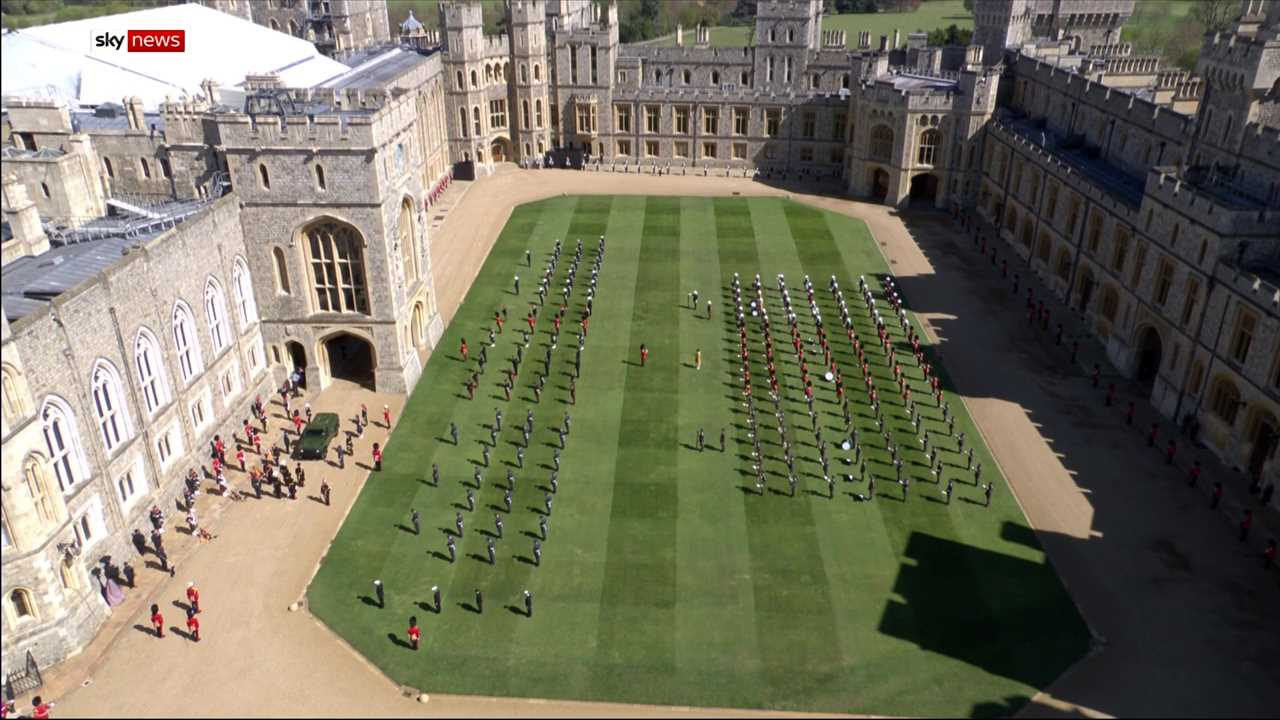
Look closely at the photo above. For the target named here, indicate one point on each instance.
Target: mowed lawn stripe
(715, 615)
(790, 583)
(574, 561)
(849, 532)
(502, 583)
(635, 656)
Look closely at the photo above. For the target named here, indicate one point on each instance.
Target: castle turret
(785, 33)
(531, 129)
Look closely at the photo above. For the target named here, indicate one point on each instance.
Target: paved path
(1183, 609)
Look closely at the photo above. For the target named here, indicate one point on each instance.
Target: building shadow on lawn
(986, 350)
(1009, 616)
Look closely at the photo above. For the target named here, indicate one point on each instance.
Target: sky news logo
(143, 41)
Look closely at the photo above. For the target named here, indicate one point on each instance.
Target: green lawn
(665, 578)
(932, 14)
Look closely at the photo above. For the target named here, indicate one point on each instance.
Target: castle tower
(1239, 71)
(786, 30)
(584, 69)
(463, 26)
(530, 124)
(998, 24)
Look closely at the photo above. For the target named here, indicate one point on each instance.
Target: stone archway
(1150, 355)
(924, 189)
(1265, 437)
(350, 357)
(297, 361)
(1087, 286)
(500, 150)
(878, 181)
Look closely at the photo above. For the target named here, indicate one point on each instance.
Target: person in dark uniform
(379, 593)
(416, 518)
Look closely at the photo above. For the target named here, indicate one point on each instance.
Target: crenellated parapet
(1141, 112)
(1225, 207)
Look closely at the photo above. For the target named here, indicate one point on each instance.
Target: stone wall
(98, 323)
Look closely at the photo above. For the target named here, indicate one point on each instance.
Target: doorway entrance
(1150, 353)
(1086, 290)
(350, 358)
(1266, 436)
(879, 184)
(298, 362)
(500, 150)
(924, 189)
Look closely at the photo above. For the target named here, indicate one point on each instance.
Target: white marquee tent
(60, 61)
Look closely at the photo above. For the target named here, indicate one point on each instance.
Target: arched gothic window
(929, 141)
(151, 380)
(190, 361)
(475, 120)
(24, 608)
(408, 243)
(263, 177)
(537, 114)
(109, 406)
(337, 267)
(215, 312)
(36, 479)
(62, 440)
(881, 143)
(475, 83)
(282, 271)
(11, 394)
(242, 289)
(462, 121)
(524, 115)
(537, 72)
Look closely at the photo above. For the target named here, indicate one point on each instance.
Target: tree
(950, 35)
(968, 6)
(744, 9)
(1215, 15)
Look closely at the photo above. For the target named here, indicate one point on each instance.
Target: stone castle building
(337, 27)
(1148, 198)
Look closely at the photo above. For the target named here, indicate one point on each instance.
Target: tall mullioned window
(497, 113)
(682, 121)
(151, 380)
(108, 406)
(710, 120)
(881, 147)
(622, 120)
(185, 342)
(337, 267)
(929, 141)
(215, 310)
(66, 456)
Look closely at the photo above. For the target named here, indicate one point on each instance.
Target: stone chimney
(133, 111)
(896, 39)
(679, 35)
(24, 222)
(884, 43)
(210, 88)
(973, 58)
